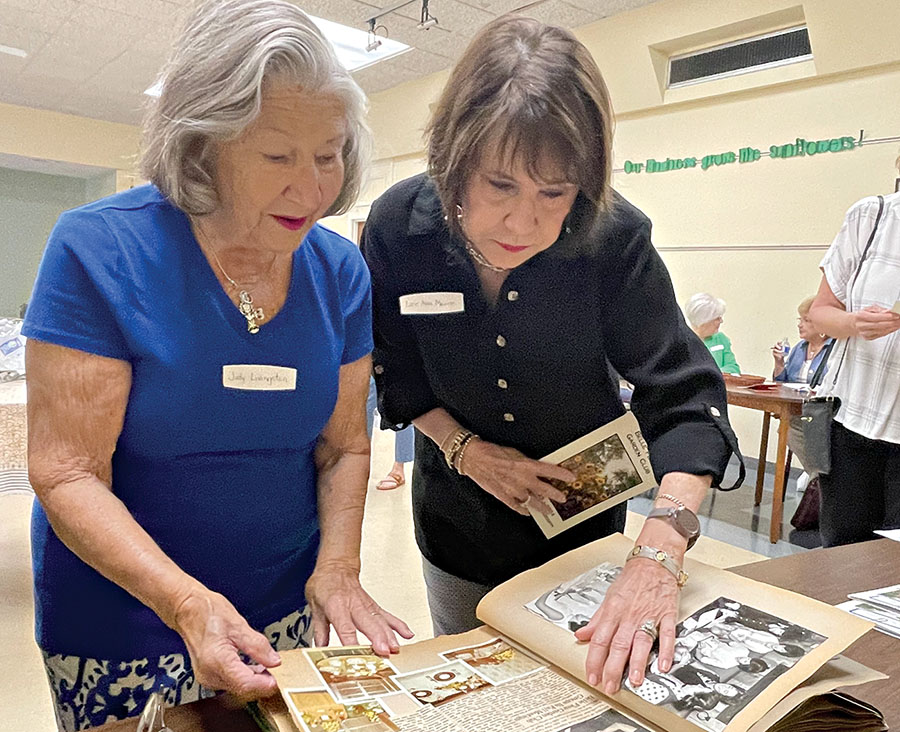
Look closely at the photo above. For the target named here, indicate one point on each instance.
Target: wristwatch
(683, 520)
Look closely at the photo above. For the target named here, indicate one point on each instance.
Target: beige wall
(37, 133)
(751, 233)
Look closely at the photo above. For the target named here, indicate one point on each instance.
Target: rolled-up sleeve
(404, 392)
(842, 257)
(679, 396)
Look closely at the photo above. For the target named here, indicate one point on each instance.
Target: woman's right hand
(778, 355)
(216, 635)
(511, 477)
(874, 322)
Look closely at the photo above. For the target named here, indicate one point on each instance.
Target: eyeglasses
(153, 718)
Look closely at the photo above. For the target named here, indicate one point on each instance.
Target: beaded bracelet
(458, 462)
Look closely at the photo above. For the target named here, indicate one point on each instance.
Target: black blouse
(533, 371)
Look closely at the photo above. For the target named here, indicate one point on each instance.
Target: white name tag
(431, 303)
(720, 347)
(258, 377)
(896, 308)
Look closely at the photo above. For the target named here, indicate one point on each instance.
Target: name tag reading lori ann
(258, 377)
(431, 303)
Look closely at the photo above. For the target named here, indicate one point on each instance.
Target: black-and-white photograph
(608, 721)
(571, 604)
(726, 654)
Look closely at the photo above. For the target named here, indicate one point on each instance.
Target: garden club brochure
(749, 658)
(611, 465)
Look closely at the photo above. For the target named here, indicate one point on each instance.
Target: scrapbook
(749, 658)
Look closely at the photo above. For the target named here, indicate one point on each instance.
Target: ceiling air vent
(741, 57)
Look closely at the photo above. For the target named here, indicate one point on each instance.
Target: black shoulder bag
(818, 412)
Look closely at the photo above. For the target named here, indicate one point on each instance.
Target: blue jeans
(404, 440)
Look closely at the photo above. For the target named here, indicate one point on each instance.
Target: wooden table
(783, 403)
(830, 575)
(824, 574)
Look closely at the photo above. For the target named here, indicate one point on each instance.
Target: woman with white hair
(199, 358)
(704, 312)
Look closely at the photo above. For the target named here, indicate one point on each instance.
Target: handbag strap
(853, 283)
(823, 364)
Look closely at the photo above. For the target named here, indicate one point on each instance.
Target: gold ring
(649, 627)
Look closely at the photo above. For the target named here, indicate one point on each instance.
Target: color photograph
(352, 673)
(602, 471)
(496, 660)
(441, 684)
(318, 712)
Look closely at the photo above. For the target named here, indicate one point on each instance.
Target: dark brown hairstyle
(535, 92)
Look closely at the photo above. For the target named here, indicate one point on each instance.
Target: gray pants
(452, 600)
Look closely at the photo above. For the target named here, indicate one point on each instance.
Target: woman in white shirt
(854, 305)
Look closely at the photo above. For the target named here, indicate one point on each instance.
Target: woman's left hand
(336, 598)
(644, 591)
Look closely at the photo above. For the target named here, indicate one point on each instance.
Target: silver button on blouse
(509, 418)
(501, 341)
(502, 383)
(512, 295)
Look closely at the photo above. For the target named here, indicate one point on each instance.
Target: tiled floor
(391, 572)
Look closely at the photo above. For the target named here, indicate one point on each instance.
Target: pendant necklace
(254, 316)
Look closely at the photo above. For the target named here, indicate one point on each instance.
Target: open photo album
(749, 658)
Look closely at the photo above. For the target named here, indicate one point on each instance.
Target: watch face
(688, 521)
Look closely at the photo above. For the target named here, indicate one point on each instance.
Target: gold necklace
(480, 259)
(254, 316)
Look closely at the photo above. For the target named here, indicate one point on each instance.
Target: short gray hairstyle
(703, 307)
(211, 90)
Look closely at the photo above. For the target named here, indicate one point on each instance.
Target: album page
(742, 646)
(473, 681)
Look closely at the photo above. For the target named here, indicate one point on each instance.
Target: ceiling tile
(30, 41)
(558, 12)
(133, 71)
(95, 57)
(32, 17)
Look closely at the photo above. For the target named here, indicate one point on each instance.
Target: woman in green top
(704, 312)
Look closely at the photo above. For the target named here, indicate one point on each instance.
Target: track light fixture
(374, 41)
(426, 20)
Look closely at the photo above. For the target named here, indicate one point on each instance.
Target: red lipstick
(290, 223)
(510, 247)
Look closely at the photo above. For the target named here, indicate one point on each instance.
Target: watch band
(658, 555)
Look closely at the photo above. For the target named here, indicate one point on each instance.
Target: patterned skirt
(88, 692)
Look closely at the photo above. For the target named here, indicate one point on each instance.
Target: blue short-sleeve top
(222, 478)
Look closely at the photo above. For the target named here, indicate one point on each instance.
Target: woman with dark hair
(505, 281)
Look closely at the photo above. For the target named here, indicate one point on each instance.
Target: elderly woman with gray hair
(704, 312)
(199, 358)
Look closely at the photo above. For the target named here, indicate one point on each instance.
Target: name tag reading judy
(432, 303)
(258, 377)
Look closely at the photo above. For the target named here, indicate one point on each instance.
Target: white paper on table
(893, 534)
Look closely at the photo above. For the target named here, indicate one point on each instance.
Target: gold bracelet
(450, 453)
(458, 463)
(449, 439)
(663, 558)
